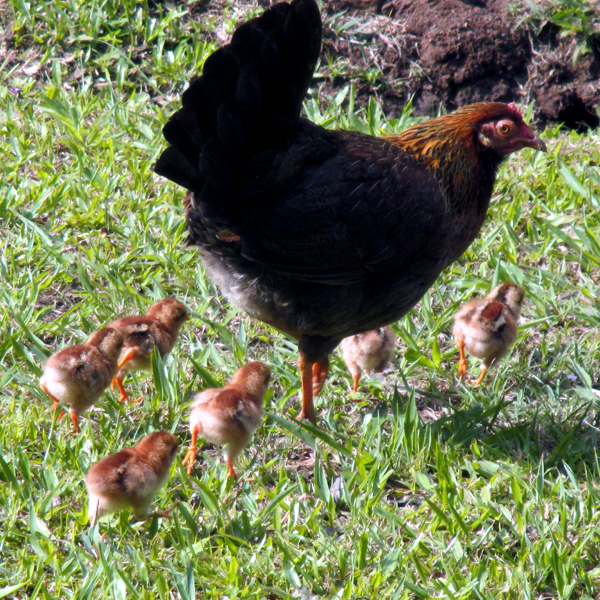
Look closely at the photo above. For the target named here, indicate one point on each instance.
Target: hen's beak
(535, 143)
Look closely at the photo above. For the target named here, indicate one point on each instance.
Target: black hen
(323, 234)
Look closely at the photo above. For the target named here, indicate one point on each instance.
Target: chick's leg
(55, 402)
(190, 457)
(118, 381)
(167, 513)
(231, 471)
(355, 379)
(462, 361)
(319, 375)
(308, 409)
(482, 373)
(75, 419)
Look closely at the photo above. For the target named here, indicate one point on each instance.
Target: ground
(441, 53)
(453, 52)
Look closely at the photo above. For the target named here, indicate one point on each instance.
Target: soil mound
(453, 52)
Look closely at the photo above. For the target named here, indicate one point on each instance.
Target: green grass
(575, 19)
(422, 488)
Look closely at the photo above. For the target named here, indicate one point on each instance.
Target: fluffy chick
(486, 328)
(79, 374)
(131, 478)
(369, 351)
(158, 328)
(228, 416)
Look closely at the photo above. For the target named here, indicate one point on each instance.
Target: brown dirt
(453, 52)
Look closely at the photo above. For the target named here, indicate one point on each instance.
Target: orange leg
(462, 361)
(231, 472)
(308, 409)
(319, 375)
(165, 514)
(356, 379)
(190, 457)
(481, 376)
(75, 419)
(118, 380)
(55, 403)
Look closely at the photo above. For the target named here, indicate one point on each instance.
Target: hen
(487, 327)
(323, 234)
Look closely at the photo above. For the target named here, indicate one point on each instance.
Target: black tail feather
(244, 108)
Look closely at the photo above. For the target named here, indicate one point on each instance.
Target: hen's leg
(165, 514)
(319, 375)
(308, 409)
(118, 380)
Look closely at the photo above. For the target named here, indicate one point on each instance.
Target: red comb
(515, 108)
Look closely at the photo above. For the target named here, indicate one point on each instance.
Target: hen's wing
(368, 209)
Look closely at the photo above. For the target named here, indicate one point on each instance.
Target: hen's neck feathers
(449, 147)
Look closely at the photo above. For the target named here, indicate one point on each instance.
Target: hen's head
(501, 128)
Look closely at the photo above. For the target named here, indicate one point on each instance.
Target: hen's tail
(245, 106)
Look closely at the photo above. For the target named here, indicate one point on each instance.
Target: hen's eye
(505, 127)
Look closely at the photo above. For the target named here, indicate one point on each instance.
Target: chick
(131, 478)
(228, 416)
(158, 328)
(487, 327)
(369, 351)
(78, 375)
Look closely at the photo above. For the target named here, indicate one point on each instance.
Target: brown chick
(228, 416)
(322, 233)
(78, 375)
(158, 328)
(131, 478)
(486, 328)
(369, 351)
